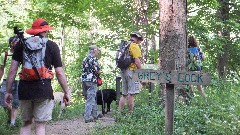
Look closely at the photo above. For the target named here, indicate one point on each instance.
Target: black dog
(108, 96)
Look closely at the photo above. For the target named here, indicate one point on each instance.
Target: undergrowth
(218, 114)
(75, 110)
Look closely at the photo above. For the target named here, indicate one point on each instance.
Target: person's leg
(201, 91)
(40, 128)
(122, 100)
(8, 111)
(131, 98)
(91, 94)
(132, 91)
(42, 112)
(26, 128)
(191, 89)
(2, 101)
(13, 116)
(26, 107)
(95, 107)
(15, 103)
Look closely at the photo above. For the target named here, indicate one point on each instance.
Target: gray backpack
(33, 66)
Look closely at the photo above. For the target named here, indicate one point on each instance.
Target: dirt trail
(77, 126)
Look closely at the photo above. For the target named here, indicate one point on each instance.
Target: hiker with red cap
(35, 90)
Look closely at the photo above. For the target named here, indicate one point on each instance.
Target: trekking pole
(103, 104)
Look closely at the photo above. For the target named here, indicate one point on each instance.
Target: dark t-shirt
(29, 90)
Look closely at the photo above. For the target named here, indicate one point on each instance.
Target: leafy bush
(4, 127)
(218, 114)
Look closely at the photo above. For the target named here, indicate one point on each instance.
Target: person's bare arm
(63, 82)
(12, 74)
(203, 56)
(1, 71)
(138, 63)
(10, 79)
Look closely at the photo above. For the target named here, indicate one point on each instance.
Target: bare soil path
(77, 126)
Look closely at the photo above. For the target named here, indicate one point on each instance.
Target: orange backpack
(33, 66)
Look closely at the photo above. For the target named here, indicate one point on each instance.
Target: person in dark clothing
(36, 96)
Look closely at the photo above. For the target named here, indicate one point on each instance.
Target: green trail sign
(172, 77)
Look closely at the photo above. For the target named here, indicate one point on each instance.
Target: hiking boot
(90, 120)
(12, 125)
(95, 118)
(100, 115)
(9, 122)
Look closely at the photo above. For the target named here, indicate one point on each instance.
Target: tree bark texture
(223, 33)
(172, 47)
(173, 34)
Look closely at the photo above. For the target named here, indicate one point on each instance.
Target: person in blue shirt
(199, 56)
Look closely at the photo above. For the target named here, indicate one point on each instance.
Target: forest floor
(77, 126)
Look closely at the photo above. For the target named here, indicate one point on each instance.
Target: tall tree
(216, 25)
(172, 48)
(224, 34)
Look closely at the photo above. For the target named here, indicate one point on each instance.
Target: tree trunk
(172, 48)
(63, 46)
(141, 22)
(172, 41)
(224, 33)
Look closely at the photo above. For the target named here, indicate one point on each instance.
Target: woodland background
(80, 23)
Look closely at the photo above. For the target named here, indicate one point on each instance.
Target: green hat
(136, 34)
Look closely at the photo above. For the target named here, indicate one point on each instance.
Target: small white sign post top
(172, 77)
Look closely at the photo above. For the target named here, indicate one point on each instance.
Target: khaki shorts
(40, 110)
(128, 84)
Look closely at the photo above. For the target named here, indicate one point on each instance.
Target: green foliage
(5, 129)
(206, 23)
(79, 24)
(75, 110)
(218, 114)
(60, 13)
(118, 15)
(210, 116)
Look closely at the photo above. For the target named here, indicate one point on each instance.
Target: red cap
(39, 25)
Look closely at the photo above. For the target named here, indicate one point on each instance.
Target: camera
(18, 35)
(18, 32)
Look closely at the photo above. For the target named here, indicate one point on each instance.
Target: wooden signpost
(170, 78)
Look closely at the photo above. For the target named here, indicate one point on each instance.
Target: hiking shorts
(128, 84)
(40, 110)
(15, 99)
(198, 68)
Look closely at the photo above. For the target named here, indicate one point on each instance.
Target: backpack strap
(5, 58)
